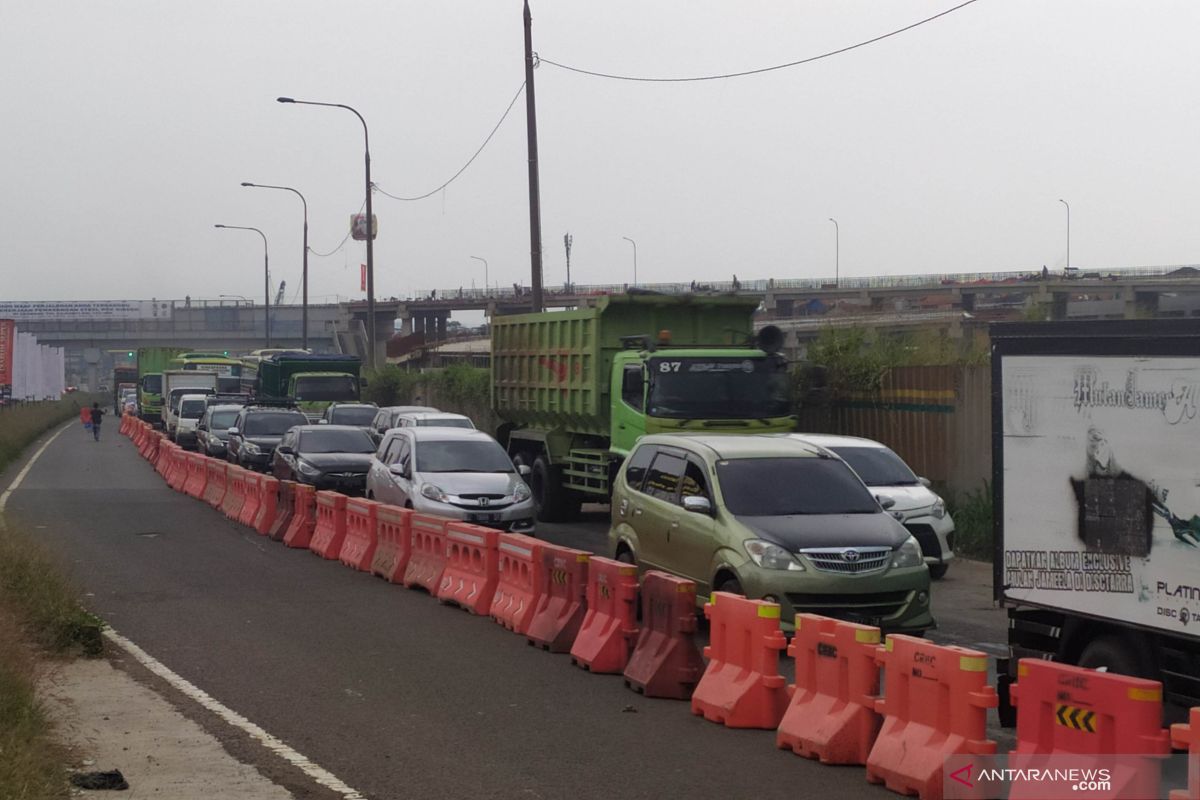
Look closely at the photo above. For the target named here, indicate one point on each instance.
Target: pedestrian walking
(85, 418)
(97, 414)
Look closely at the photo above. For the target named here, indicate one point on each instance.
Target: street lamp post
(266, 275)
(837, 253)
(485, 272)
(632, 242)
(304, 278)
(1068, 205)
(370, 221)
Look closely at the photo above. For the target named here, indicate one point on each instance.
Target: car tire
(938, 571)
(732, 586)
(553, 502)
(1112, 653)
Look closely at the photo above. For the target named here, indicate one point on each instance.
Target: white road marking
(12, 487)
(317, 773)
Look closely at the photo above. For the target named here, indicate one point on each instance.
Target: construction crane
(279, 294)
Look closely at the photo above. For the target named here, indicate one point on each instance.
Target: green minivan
(772, 518)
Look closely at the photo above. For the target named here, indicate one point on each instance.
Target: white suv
(916, 506)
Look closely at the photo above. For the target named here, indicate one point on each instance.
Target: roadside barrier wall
(285, 507)
(358, 548)
(741, 686)
(304, 517)
(252, 501)
(562, 603)
(394, 535)
(609, 628)
(665, 661)
(934, 705)
(197, 475)
(268, 497)
(472, 567)
(519, 582)
(831, 715)
(428, 554)
(1090, 716)
(1186, 736)
(330, 530)
(214, 487)
(235, 493)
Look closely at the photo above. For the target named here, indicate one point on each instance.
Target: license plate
(483, 517)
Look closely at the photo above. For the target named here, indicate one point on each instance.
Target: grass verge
(21, 424)
(972, 513)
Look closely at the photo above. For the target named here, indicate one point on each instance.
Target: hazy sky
(128, 126)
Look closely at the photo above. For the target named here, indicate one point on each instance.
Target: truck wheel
(554, 503)
(1112, 653)
(938, 571)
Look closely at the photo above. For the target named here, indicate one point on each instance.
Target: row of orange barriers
(901, 707)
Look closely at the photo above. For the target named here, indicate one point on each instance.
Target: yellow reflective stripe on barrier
(1022, 670)
(769, 612)
(712, 599)
(797, 622)
(888, 644)
(685, 587)
(628, 570)
(582, 558)
(1147, 695)
(973, 663)
(865, 637)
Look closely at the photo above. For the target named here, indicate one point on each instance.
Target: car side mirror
(399, 469)
(524, 470)
(697, 505)
(322, 422)
(885, 502)
(287, 451)
(232, 431)
(925, 482)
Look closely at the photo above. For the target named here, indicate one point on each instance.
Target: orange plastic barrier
(304, 517)
(252, 502)
(665, 661)
(139, 440)
(152, 445)
(214, 487)
(562, 603)
(177, 472)
(268, 497)
(162, 456)
(394, 536)
(285, 507)
(428, 556)
(197, 475)
(609, 627)
(934, 705)
(742, 687)
(358, 548)
(124, 423)
(472, 567)
(1090, 716)
(235, 493)
(519, 582)
(1186, 736)
(330, 529)
(831, 715)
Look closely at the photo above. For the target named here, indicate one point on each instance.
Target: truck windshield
(152, 384)
(718, 388)
(327, 387)
(273, 423)
(776, 487)
(877, 466)
(455, 456)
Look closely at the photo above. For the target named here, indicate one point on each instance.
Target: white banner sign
(83, 309)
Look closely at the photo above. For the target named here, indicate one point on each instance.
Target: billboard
(8, 332)
(83, 309)
(1102, 486)
(358, 227)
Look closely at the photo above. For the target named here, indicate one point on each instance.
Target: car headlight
(306, 468)
(521, 493)
(434, 493)
(771, 556)
(251, 448)
(939, 509)
(908, 554)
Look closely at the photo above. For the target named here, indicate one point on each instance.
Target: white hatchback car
(887, 476)
(433, 419)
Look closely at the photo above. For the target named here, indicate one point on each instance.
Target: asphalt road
(395, 694)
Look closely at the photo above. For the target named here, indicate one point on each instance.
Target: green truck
(312, 382)
(151, 363)
(576, 389)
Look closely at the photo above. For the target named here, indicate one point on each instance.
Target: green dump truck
(312, 382)
(151, 363)
(576, 389)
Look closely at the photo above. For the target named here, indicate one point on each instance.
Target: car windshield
(456, 456)
(272, 423)
(329, 387)
(718, 388)
(775, 487)
(223, 420)
(192, 409)
(152, 384)
(355, 441)
(877, 466)
(445, 422)
(178, 393)
(353, 415)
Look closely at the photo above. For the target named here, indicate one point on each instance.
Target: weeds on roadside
(972, 513)
(20, 425)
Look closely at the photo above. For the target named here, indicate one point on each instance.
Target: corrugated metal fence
(937, 418)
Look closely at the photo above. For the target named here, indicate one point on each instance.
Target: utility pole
(535, 202)
(568, 240)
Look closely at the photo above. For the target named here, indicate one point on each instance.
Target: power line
(503, 116)
(760, 70)
(344, 238)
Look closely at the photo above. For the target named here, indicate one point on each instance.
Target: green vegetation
(21, 424)
(458, 384)
(31, 762)
(972, 512)
(856, 359)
